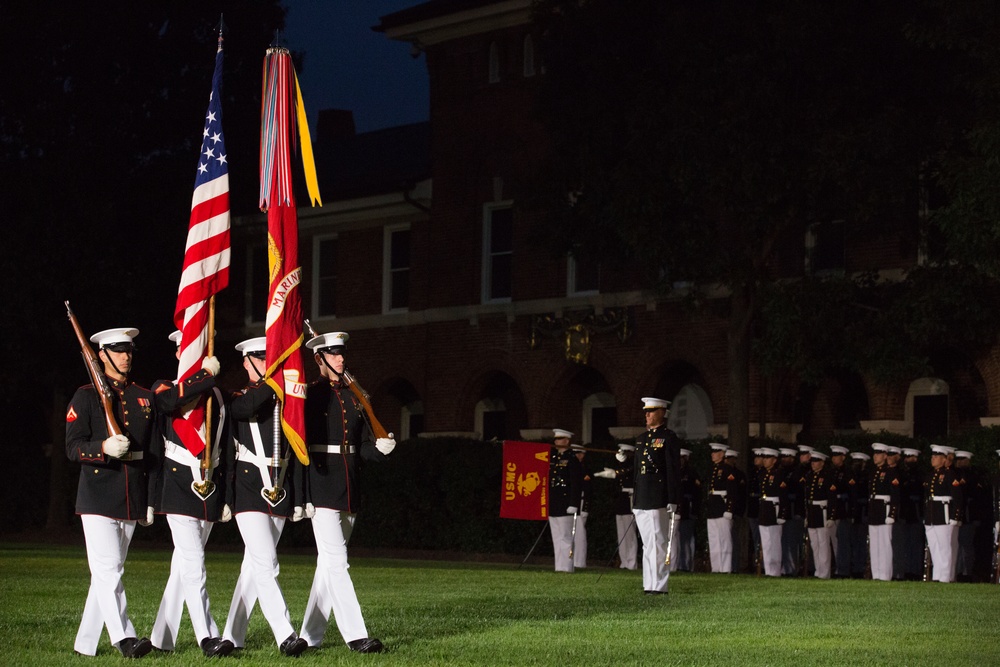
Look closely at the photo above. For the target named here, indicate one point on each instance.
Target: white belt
(941, 499)
(818, 503)
(884, 499)
(131, 456)
(330, 449)
(181, 455)
(772, 499)
(244, 454)
(720, 493)
(628, 489)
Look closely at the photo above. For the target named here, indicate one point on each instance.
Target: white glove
(671, 507)
(211, 364)
(727, 515)
(310, 510)
(953, 522)
(115, 446)
(620, 456)
(889, 521)
(385, 445)
(572, 510)
(781, 522)
(227, 514)
(297, 513)
(829, 523)
(149, 518)
(607, 473)
(996, 528)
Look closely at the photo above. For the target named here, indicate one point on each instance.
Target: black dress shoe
(216, 647)
(293, 646)
(366, 645)
(656, 592)
(131, 647)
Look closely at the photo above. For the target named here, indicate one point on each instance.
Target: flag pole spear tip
(222, 25)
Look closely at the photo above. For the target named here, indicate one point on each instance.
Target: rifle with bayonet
(363, 396)
(96, 371)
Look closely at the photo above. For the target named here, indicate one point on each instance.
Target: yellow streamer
(308, 163)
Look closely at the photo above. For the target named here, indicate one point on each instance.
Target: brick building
(461, 324)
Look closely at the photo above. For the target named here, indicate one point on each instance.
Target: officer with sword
(565, 499)
(657, 492)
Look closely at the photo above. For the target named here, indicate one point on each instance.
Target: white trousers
(628, 542)
(332, 589)
(654, 527)
(940, 542)
(258, 580)
(880, 546)
(562, 541)
(770, 549)
(107, 546)
(720, 544)
(819, 544)
(185, 585)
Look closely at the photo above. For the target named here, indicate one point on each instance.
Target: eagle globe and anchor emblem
(526, 484)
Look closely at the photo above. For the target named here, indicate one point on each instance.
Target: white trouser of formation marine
(654, 530)
(880, 545)
(580, 542)
(562, 541)
(107, 546)
(770, 549)
(628, 543)
(258, 580)
(720, 544)
(185, 585)
(819, 544)
(332, 589)
(940, 540)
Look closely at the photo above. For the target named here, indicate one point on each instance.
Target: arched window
(690, 413)
(491, 418)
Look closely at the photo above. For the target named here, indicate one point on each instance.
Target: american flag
(206, 256)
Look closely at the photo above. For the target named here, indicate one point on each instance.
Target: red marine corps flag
(206, 258)
(524, 489)
(285, 372)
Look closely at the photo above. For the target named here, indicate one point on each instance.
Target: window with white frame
(324, 296)
(258, 283)
(582, 276)
(396, 269)
(498, 253)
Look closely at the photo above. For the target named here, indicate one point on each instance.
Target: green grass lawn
(437, 613)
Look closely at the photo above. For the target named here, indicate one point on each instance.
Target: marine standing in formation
(719, 506)
(774, 510)
(565, 493)
(340, 442)
(942, 513)
(820, 497)
(883, 508)
(624, 475)
(657, 492)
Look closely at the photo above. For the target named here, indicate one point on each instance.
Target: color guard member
(263, 492)
(114, 491)
(192, 498)
(341, 442)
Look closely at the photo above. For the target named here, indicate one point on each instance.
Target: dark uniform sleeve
(249, 402)
(169, 396)
(85, 428)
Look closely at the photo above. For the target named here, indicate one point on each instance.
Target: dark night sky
(349, 66)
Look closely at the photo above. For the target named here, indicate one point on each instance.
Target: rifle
(96, 371)
(359, 393)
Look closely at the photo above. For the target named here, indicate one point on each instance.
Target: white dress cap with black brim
(329, 342)
(625, 447)
(175, 337)
(252, 345)
(718, 446)
(114, 336)
(561, 433)
(650, 403)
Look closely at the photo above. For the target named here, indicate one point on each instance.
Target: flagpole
(206, 461)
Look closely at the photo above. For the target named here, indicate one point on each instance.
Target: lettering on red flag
(524, 491)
